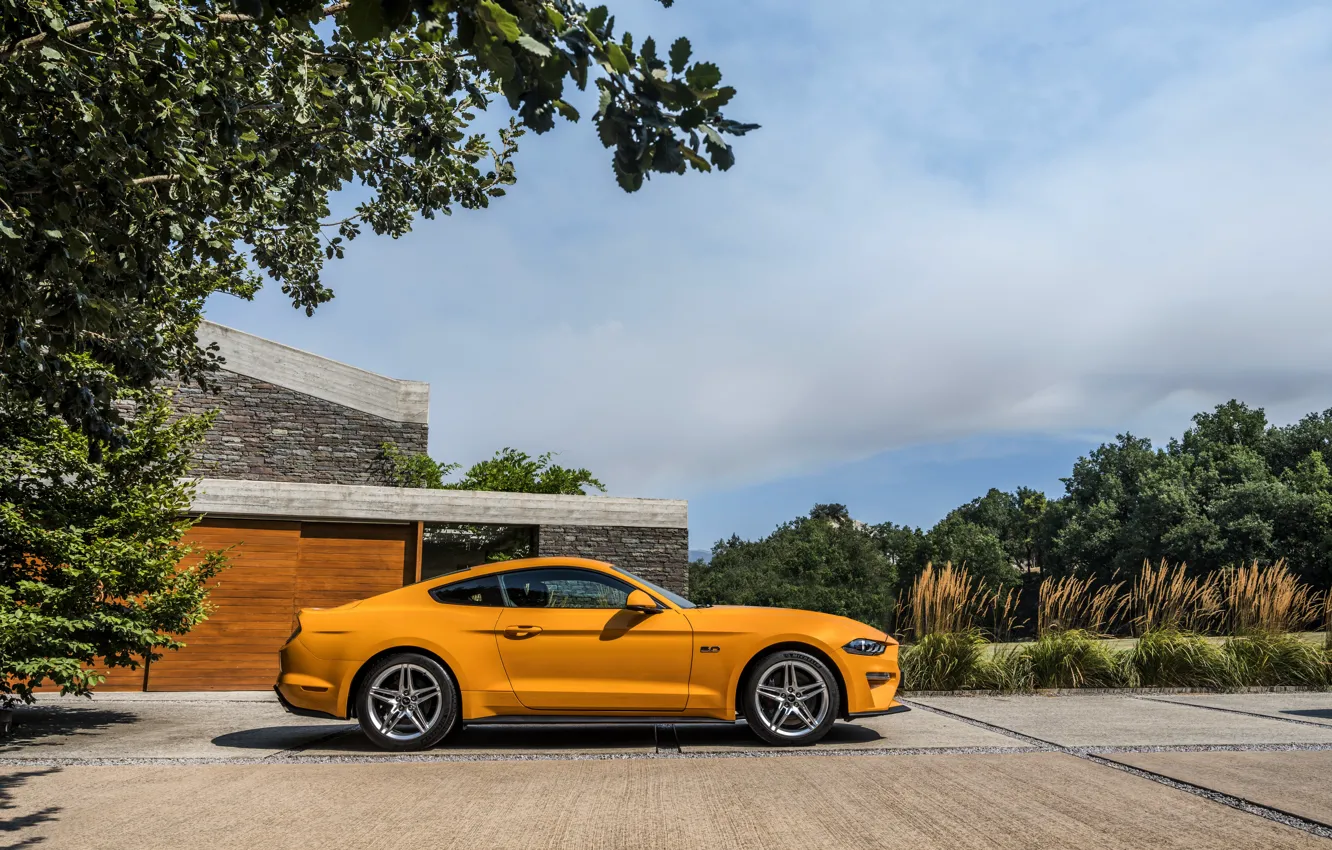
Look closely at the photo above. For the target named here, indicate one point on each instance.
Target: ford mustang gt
(567, 640)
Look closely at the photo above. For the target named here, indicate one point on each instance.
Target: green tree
(905, 548)
(509, 471)
(512, 471)
(91, 572)
(967, 544)
(1231, 489)
(823, 562)
(154, 152)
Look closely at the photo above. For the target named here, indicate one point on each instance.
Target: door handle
(515, 631)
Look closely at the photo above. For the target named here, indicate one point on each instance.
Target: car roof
(527, 563)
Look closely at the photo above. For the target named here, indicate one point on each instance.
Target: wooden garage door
(277, 568)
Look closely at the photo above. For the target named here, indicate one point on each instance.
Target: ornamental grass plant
(1072, 658)
(1069, 602)
(1262, 659)
(960, 661)
(1168, 658)
(947, 600)
(944, 661)
(1267, 600)
(1168, 599)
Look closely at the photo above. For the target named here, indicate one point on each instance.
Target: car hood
(752, 618)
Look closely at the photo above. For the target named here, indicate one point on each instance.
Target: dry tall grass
(1003, 615)
(1168, 598)
(1070, 603)
(949, 600)
(1267, 600)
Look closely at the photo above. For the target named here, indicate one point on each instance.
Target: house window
(449, 547)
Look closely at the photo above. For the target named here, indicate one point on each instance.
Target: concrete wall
(282, 499)
(660, 555)
(310, 374)
(268, 432)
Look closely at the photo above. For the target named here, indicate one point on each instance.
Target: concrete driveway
(1187, 771)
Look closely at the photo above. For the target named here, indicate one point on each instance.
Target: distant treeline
(1233, 489)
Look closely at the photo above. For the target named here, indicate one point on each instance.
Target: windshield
(676, 598)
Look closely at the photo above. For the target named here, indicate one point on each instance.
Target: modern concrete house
(294, 486)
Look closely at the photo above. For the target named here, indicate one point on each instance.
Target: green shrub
(1072, 659)
(1173, 659)
(943, 661)
(1007, 669)
(1282, 659)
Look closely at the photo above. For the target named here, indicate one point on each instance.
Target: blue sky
(971, 241)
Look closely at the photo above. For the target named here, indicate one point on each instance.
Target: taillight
(295, 632)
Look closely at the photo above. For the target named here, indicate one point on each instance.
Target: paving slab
(1125, 721)
(1309, 707)
(925, 802)
(1299, 783)
(112, 727)
(907, 731)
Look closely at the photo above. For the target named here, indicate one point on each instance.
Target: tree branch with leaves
(155, 153)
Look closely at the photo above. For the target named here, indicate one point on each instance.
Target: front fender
(794, 641)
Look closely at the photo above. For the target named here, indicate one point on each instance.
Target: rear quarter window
(483, 592)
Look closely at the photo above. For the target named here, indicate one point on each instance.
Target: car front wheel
(791, 699)
(407, 702)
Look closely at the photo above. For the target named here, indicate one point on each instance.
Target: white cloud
(963, 224)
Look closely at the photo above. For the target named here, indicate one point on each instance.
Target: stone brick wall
(660, 555)
(271, 433)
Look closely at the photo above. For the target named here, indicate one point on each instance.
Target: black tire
(414, 718)
(795, 711)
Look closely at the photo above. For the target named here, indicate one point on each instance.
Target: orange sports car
(567, 640)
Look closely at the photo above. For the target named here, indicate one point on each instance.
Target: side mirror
(642, 603)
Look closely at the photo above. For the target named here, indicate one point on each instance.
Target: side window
(564, 588)
(478, 591)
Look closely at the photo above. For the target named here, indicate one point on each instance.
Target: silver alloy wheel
(405, 701)
(792, 699)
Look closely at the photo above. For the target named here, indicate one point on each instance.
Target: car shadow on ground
(40, 723)
(270, 738)
(348, 739)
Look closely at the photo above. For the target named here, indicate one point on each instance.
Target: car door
(568, 643)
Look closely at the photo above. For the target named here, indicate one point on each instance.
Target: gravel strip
(293, 757)
(478, 757)
(1093, 754)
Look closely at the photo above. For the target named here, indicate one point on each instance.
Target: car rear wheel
(407, 702)
(791, 699)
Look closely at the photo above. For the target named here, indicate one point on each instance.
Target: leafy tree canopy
(509, 471)
(822, 562)
(1232, 489)
(153, 152)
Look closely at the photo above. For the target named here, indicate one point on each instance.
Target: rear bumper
(310, 685)
(297, 710)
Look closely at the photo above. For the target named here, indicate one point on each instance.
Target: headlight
(865, 646)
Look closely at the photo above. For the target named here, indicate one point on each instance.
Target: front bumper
(871, 683)
(897, 709)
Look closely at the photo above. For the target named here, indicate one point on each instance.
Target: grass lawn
(1116, 644)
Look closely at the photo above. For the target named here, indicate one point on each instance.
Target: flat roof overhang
(364, 503)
